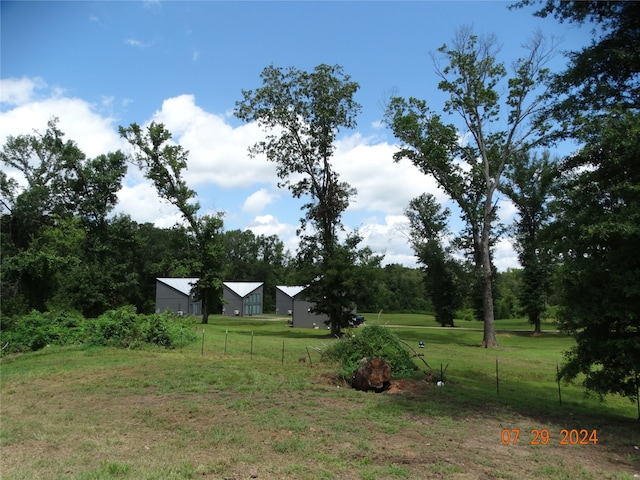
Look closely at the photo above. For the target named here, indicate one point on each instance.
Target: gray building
(284, 298)
(302, 316)
(242, 298)
(176, 295)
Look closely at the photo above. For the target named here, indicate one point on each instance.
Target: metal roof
(242, 289)
(291, 291)
(183, 285)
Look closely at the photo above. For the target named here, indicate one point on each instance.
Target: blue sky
(98, 65)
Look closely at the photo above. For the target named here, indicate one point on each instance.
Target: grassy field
(252, 399)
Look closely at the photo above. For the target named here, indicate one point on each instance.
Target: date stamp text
(543, 437)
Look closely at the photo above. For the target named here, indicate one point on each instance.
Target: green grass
(417, 319)
(203, 412)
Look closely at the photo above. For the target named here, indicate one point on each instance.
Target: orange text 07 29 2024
(536, 436)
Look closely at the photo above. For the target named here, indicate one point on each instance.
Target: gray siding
(250, 304)
(284, 303)
(169, 299)
(303, 318)
(232, 302)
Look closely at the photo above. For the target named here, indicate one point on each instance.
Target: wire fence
(246, 343)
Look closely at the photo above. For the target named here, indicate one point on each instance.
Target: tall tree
(163, 164)
(92, 187)
(42, 159)
(66, 197)
(597, 231)
(470, 172)
(529, 181)
(428, 230)
(303, 113)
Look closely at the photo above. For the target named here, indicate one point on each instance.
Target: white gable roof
(183, 285)
(291, 291)
(242, 289)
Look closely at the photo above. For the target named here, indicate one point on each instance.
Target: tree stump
(373, 375)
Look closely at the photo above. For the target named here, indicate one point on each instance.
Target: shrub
(121, 328)
(167, 330)
(124, 328)
(372, 341)
(36, 330)
(116, 328)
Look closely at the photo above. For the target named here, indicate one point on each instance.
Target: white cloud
(17, 91)
(218, 151)
(388, 238)
(218, 157)
(382, 184)
(270, 225)
(504, 256)
(137, 43)
(257, 201)
(78, 120)
(141, 202)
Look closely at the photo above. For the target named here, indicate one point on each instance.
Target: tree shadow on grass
(520, 401)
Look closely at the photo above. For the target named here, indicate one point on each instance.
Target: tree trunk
(373, 375)
(205, 307)
(534, 320)
(489, 339)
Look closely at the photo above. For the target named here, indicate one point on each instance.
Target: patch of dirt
(401, 385)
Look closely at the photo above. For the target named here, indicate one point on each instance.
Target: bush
(36, 330)
(121, 328)
(372, 341)
(124, 328)
(116, 328)
(167, 330)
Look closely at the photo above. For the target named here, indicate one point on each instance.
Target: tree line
(62, 250)
(576, 232)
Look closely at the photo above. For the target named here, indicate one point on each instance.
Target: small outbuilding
(302, 317)
(284, 298)
(242, 299)
(176, 295)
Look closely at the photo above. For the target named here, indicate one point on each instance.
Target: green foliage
(168, 330)
(596, 231)
(307, 110)
(529, 182)
(37, 330)
(124, 328)
(443, 273)
(163, 163)
(116, 328)
(340, 280)
(372, 341)
(473, 79)
(402, 291)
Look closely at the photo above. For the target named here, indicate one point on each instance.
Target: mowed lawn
(253, 399)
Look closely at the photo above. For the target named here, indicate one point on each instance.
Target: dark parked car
(356, 320)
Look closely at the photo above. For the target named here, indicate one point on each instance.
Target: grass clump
(372, 341)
